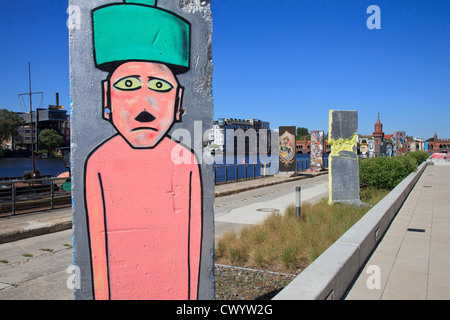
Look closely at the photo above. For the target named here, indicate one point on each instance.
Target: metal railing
(304, 164)
(23, 196)
(241, 172)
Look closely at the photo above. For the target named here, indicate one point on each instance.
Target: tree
(50, 139)
(9, 125)
(301, 132)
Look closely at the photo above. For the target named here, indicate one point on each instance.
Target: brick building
(378, 136)
(438, 145)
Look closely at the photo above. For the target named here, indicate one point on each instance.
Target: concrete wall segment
(89, 129)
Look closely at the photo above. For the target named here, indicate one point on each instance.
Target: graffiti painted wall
(286, 149)
(317, 139)
(142, 199)
(364, 147)
(399, 143)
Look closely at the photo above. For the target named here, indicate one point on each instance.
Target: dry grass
(284, 244)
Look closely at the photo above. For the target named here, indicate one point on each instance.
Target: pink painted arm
(195, 231)
(96, 220)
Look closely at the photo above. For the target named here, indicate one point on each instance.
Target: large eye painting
(159, 85)
(128, 84)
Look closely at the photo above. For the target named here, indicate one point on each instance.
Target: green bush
(384, 172)
(419, 156)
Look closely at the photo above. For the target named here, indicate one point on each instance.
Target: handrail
(33, 180)
(230, 173)
(31, 195)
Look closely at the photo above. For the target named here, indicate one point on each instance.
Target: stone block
(343, 159)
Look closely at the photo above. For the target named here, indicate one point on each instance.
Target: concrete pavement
(256, 211)
(412, 261)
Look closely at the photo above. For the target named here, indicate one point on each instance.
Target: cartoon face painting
(144, 101)
(143, 205)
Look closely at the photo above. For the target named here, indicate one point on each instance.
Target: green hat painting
(143, 190)
(137, 30)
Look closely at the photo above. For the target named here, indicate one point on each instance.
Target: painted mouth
(144, 128)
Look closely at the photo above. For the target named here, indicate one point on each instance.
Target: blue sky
(288, 62)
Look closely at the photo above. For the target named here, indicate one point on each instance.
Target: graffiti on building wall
(287, 148)
(317, 138)
(144, 205)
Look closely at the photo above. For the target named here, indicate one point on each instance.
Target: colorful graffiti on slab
(317, 139)
(364, 147)
(399, 138)
(389, 150)
(143, 203)
(287, 149)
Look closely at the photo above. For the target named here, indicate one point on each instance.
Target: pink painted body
(145, 221)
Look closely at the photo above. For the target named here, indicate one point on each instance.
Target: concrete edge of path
(223, 193)
(333, 272)
(35, 229)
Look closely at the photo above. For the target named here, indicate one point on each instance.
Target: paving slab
(414, 256)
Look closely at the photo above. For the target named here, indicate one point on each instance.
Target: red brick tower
(378, 135)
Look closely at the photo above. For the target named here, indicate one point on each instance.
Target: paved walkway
(255, 212)
(412, 262)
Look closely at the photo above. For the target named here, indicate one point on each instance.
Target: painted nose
(145, 116)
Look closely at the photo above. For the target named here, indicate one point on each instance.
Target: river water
(15, 167)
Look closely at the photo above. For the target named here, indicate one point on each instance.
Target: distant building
(220, 129)
(438, 145)
(217, 136)
(378, 136)
(415, 144)
(52, 118)
(380, 143)
(7, 144)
